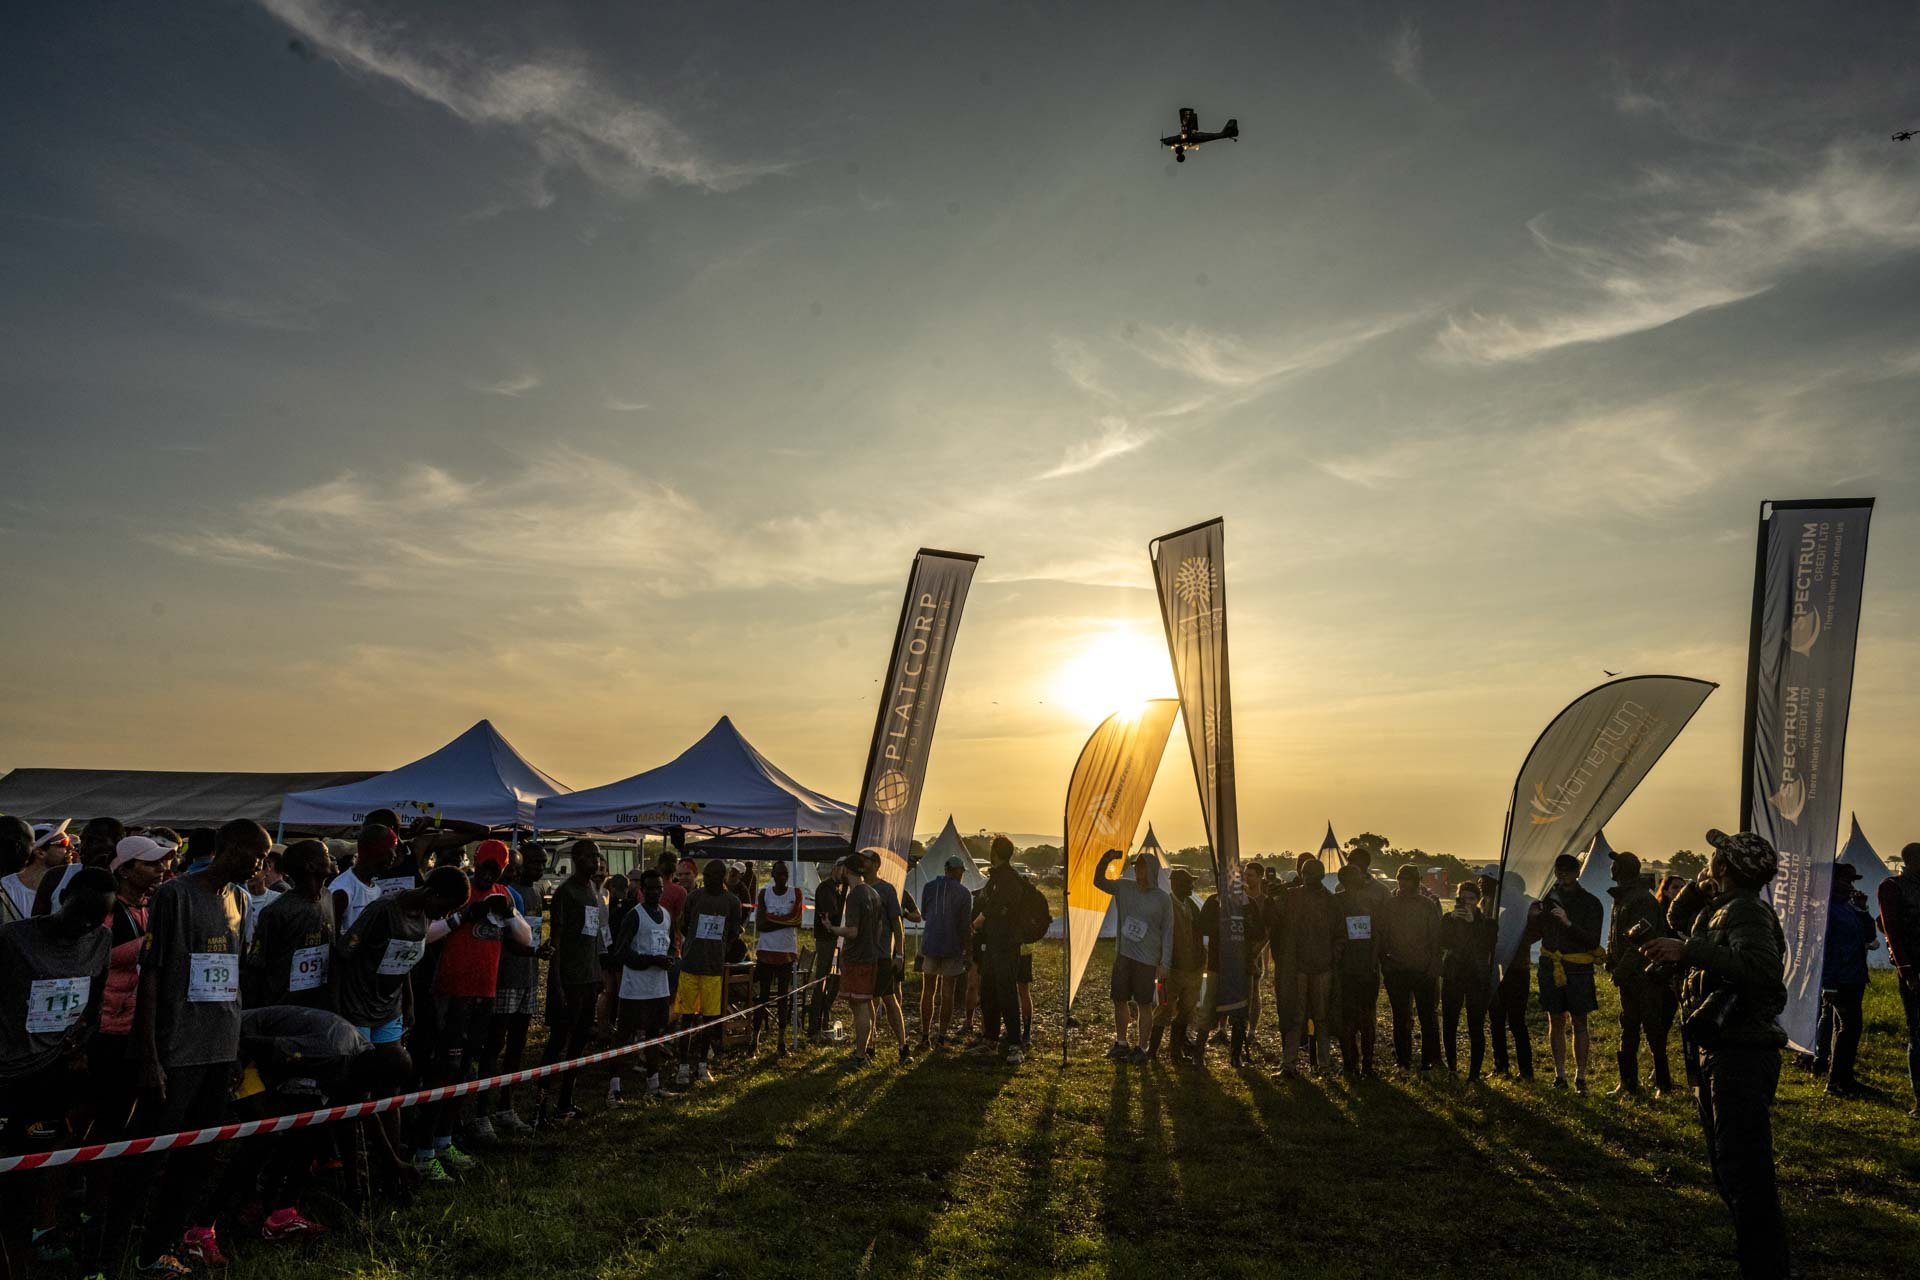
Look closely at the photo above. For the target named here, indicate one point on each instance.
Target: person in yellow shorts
(709, 924)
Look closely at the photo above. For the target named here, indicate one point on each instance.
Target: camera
(1643, 931)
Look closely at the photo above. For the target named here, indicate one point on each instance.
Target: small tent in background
(1331, 855)
(1860, 855)
(1152, 845)
(1333, 858)
(933, 863)
(1596, 877)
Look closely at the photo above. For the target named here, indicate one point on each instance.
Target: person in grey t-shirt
(1145, 954)
(187, 1027)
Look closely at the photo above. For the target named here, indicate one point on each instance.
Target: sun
(1112, 669)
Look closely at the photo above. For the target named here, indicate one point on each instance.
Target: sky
(367, 370)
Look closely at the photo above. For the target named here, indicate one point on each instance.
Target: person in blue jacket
(1843, 982)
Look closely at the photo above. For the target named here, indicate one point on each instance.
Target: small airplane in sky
(1190, 136)
(1905, 135)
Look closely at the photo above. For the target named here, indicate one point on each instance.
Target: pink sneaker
(289, 1224)
(201, 1246)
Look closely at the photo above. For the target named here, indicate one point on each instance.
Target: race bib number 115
(55, 1004)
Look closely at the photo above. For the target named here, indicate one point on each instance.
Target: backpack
(1037, 915)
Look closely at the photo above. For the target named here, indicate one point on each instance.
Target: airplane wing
(1189, 120)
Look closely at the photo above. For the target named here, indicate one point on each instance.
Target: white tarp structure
(933, 863)
(1860, 855)
(719, 784)
(478, 777)
(1596, 877)
(1110, 923)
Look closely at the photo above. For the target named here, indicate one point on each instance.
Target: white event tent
(1861, 856)
(1596, 877)
(933, 863)
(720, 785)
(478, 777)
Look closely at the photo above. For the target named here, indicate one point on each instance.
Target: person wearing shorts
(862, 953)
(946, 910)
(709, 925)
(1570, 922)
(778, 907)
(1143, 917)
(644, 950)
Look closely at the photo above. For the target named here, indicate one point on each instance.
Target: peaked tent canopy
(1331, 855)
(933, 863)
(1861, 856)
(1596, 877)
(478, 777)
(720, 784)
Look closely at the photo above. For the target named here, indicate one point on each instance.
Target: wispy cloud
(569, 113)
(513, 386)
(1705, 243)
(620, 404)
(1403, 54)
(1117, 438)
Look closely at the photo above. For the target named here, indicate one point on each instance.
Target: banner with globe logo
(1189, 574)
(1808, 576)
(909, 706)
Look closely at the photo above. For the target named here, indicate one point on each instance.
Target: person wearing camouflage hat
(1730, 1000)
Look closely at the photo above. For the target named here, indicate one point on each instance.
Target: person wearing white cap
(49, 848)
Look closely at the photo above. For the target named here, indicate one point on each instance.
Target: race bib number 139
(213, 978)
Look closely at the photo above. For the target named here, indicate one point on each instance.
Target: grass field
(963, 1166)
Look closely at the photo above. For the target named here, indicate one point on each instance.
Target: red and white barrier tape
(353, 1111)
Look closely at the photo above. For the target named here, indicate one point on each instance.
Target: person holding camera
(1900, 917)
(1733, 991)
(1646, 993)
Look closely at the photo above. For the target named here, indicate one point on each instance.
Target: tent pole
(793, 866)
(279, 830)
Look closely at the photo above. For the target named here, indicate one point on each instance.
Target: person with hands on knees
(1143, 957)
(373, 962)
(53, 977)
(1731, 997)
(644, 948)
(187, 1033)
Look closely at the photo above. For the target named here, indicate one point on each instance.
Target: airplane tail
(1232, 129)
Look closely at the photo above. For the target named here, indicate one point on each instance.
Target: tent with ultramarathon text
(478, 777)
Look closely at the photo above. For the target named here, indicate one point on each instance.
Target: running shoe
(289, 1224)
(1016, 1056)
(456, 1159)
(703, 1074)
(432, 1173)
(480, 1129)
(165, 1267)
(613, 1095)
(47, 1247)
(683, 1075)
(201, 1247)
(510, 1124)
(1138, 1057)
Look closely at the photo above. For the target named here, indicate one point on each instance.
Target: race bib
(1134, 930)
(393, 884)
(590, 922)
(659, 943)
(213, 978)
(402, 955)
(55, 1004)
(308, 969)
(1359, 928)
(710, 928)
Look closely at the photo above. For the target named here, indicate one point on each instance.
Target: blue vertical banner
(1808, 576)
(1189, 572)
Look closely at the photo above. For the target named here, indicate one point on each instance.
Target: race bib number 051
(308, 969)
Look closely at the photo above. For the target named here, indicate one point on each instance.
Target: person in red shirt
(463, 991)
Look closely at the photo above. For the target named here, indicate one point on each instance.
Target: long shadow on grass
(868, 1160)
